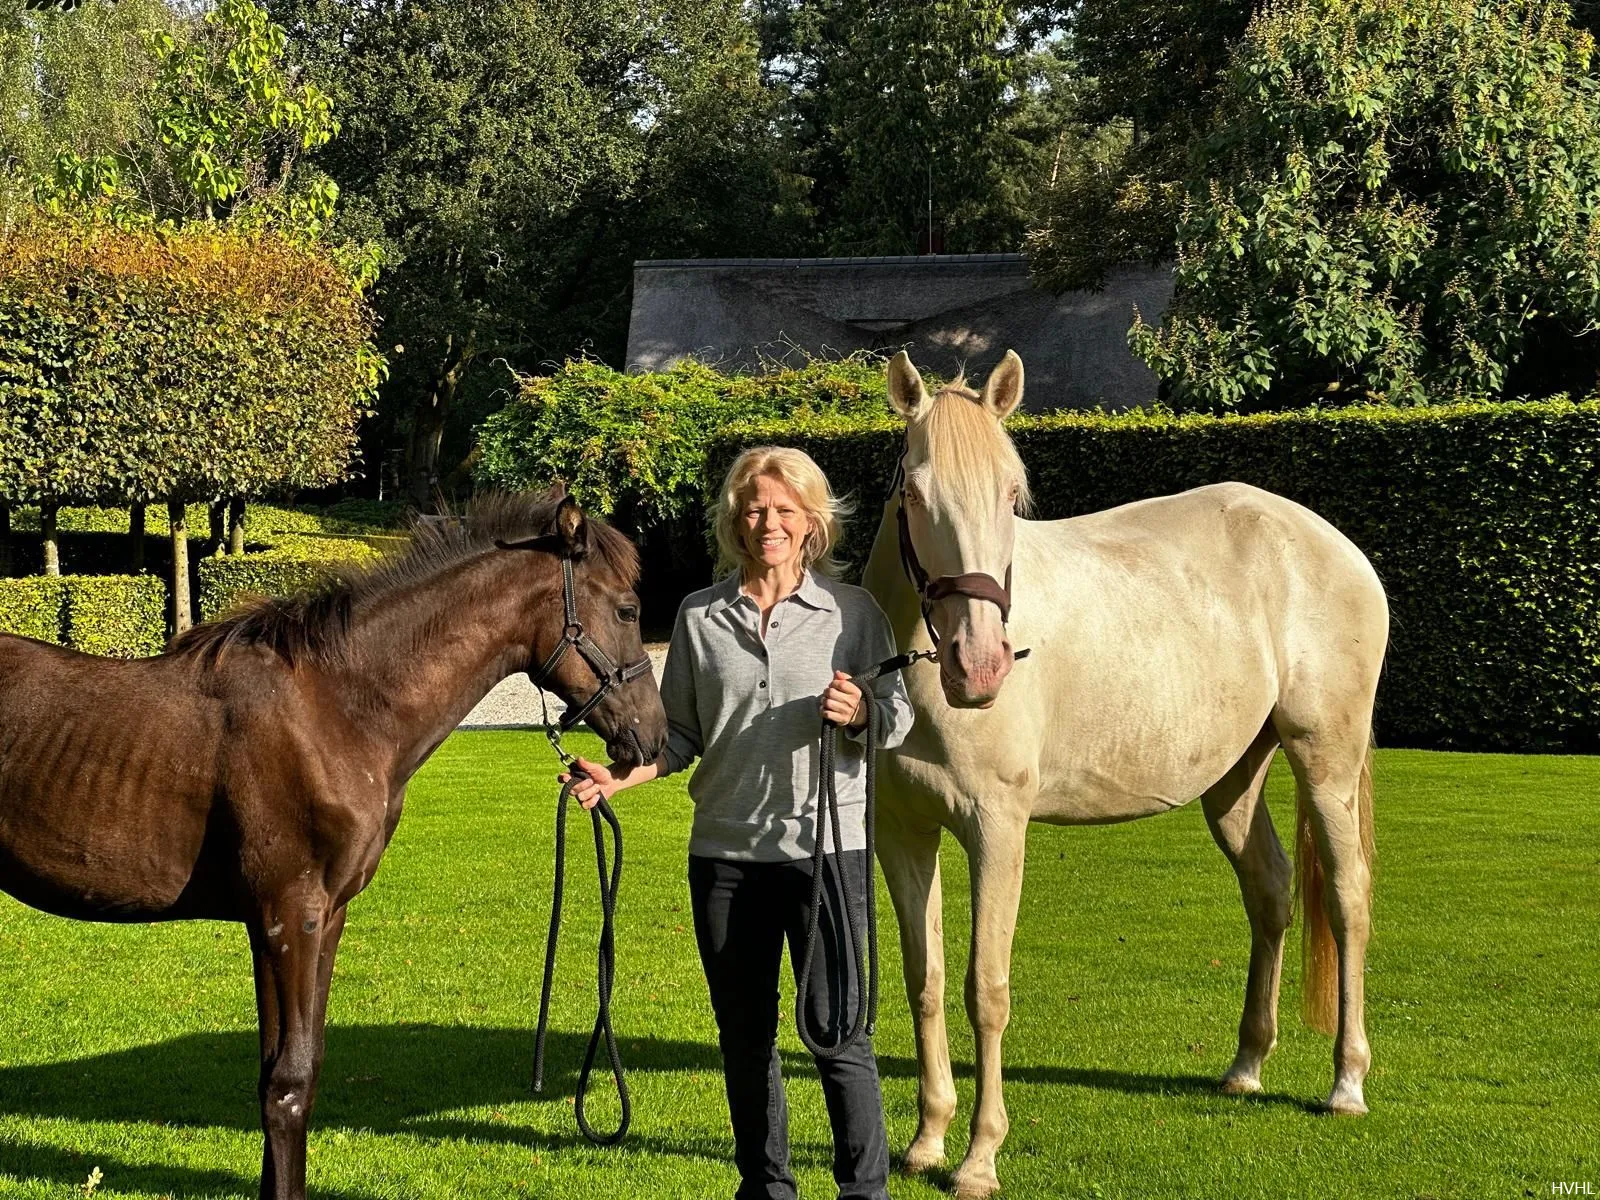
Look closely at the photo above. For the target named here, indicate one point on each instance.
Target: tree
(218, 132)
(905, 117)
(1149, 71)
(204, 133)
(70, 83)
(514, 157)
(141, 364)
(1399, 199)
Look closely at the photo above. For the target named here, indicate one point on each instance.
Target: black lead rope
(866, 1018)
(606, 969)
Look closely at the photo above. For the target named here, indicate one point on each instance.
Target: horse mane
(313, 626)
(974, 454)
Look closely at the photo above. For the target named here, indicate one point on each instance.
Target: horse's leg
(289, 933)
(1333, 774)
(331, 934)
(1242, 827)
(910, 858)
(995, 842)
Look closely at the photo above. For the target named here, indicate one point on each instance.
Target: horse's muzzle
(626, 750)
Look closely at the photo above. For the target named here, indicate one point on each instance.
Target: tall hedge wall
(1482, 522)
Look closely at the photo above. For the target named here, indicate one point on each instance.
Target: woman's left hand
(841, 702)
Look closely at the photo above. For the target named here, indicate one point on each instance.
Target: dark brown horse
(255, 771)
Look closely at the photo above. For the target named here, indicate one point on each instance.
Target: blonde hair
(797, 472)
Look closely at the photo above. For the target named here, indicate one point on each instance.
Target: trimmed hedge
(152, 363)
(294, 564)
(124, 616)
(119, 615)
(34, 607)
(364, 518)
(1481, 521)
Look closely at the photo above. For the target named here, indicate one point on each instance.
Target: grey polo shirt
(747, 708)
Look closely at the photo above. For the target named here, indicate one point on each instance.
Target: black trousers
(743, 911)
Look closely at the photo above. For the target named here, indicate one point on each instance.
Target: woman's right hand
(600, 784)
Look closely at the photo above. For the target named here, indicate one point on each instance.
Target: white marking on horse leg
(910, 859)
(995, 852)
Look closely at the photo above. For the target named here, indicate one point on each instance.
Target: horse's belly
(98, 860)
(84, 893)
(1091, 798)
(1149, 759)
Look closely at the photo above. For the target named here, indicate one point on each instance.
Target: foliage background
(1397, 203)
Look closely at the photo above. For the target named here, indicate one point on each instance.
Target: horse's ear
(906, 392)
(572, 527)
(1002, 392)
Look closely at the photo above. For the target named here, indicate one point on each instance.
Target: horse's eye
(628, 614)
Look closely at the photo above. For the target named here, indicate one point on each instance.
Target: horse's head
(963, 484)
(586, 645)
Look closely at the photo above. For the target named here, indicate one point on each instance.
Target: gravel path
(514, 701)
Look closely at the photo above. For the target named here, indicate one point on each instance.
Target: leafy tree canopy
(1399, 201)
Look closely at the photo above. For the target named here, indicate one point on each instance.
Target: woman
(755, 660)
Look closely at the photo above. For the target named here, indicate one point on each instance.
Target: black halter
(974, 584)
(573, 637)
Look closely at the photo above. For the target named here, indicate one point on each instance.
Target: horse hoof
(924, 1156)
(1241, 1085)
(1347, 1102)
(974, 1184)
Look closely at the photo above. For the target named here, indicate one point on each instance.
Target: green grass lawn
(133, 1049)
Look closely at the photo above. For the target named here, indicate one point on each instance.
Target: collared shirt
(747, 707)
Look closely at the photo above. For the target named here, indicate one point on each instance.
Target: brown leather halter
(930, 591)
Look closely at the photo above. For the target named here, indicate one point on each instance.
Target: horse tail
(1319, 957)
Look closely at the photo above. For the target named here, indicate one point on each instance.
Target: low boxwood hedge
(295, 563)
(34, 607)
(124, 616)
(1480, 519)
(119, 615)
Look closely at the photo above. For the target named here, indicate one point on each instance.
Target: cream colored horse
(1175, 644)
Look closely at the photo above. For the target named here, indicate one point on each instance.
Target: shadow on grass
(70, 1169)
(410, 1078)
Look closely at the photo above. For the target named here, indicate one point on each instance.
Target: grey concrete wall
(947, 311)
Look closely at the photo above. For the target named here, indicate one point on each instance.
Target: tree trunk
(52, 544)
(5, 540)
(136, 536)
(428, 419)
(182, 613)
(236, 525)
(216, 516)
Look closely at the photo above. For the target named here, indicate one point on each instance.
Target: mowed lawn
(132, 1050)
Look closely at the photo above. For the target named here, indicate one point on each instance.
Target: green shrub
(294, 564)
(635, 445)
(124, 616)
(1480, 519)
(1399, 198)
(34, 607)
